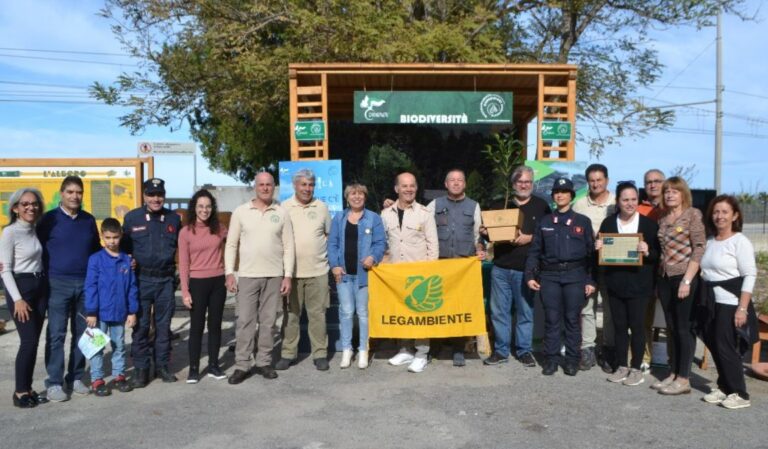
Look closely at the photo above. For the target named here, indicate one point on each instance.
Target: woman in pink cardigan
(201, 242)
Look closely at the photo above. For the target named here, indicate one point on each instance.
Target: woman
(630, 287)
(356, 244)
(558, 264)
(202, 280)
(682, 239)
(26, 293)
(728, 272)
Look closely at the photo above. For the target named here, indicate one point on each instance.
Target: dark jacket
(151, 239)
(630, 281)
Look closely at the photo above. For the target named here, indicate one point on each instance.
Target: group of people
(54, 262)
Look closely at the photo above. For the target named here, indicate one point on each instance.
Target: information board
(112, 187)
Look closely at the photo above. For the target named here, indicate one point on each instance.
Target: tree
(504, 154)
(221, 65)
(382, 166)
(687, 172)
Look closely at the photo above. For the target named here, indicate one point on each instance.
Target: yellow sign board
(441, 298)
(112, 187)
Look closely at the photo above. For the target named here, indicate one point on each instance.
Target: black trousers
(722, 339)
(34, 290)
(208, 296)
(679, 316)
(562, 302)
(628, 315)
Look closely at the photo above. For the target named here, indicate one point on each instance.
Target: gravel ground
(507, 406)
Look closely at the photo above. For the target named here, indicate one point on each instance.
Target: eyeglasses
(32, 204)
(525, 183)
(654, 181)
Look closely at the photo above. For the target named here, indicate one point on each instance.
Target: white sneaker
(715, 396)
(645, 368)
(418, 365)
(346, 358)
(402, 358)
(734, 401)
(362, 359)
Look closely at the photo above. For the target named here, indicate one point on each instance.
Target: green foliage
(476, 187)
(504, 154)
(382, 166)
(221, 65)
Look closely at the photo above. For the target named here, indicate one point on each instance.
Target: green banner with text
(433, 108)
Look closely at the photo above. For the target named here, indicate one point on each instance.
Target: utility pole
(719, 104)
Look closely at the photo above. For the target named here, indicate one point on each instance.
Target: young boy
(111, 301)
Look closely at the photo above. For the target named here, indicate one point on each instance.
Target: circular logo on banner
(491, 106)
(426, 295)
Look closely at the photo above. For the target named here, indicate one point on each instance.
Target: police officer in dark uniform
(150, 236)
(558, 265)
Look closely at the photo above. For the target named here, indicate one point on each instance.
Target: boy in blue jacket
(111, 301)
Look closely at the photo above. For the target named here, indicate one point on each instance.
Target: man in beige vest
(412, 236)
(260, 232)
(311, 226)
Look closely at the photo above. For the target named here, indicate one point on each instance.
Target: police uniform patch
(170, 228)
(138, 228)
(578, 230)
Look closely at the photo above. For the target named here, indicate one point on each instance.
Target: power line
(73, 52)
(685, 68)
(3, 100)
(79, 61)
(22, 83)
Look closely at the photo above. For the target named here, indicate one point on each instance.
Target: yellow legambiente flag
(441, 298)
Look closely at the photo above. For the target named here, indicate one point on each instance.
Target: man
(651, 208)
(311, 225)
(508, 287)
(260, 232)
(151, 236)
(68, 236)
(598, 204)
(457, 218)
(412, 236)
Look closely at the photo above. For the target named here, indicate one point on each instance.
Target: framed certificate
(620, 249)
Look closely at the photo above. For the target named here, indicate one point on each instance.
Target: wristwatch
(686, 282)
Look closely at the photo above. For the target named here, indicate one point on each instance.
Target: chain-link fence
(756, 224)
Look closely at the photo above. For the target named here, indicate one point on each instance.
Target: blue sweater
(111, 293)
(67, 243)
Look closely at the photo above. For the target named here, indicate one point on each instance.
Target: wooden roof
(345, 78)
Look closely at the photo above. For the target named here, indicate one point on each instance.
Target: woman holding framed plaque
(633, 238)
(682, 239)
(728, 273)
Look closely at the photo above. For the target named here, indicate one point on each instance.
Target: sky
(45, 110)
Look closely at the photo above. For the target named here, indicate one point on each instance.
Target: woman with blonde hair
(682, 239)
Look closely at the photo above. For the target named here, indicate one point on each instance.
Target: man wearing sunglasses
(150, 236)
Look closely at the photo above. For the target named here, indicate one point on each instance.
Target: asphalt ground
(505, 406)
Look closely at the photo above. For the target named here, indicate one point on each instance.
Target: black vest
(455, 227)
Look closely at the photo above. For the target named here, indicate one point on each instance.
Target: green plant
(504, 153)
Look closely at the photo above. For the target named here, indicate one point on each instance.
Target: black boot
(162, 372)
(140, 378)
(608, 359)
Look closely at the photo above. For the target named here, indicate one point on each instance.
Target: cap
(154, 185)
(562, 185)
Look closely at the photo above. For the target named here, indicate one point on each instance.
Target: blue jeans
(508, 289)
(353, 298)
(157, 292)
(66, 301)
(116, 332)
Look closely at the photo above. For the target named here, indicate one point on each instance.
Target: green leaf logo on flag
(426, 295)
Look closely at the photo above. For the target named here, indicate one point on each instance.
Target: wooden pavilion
(324, 91)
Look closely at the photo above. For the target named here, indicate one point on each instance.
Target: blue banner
(328, 185)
